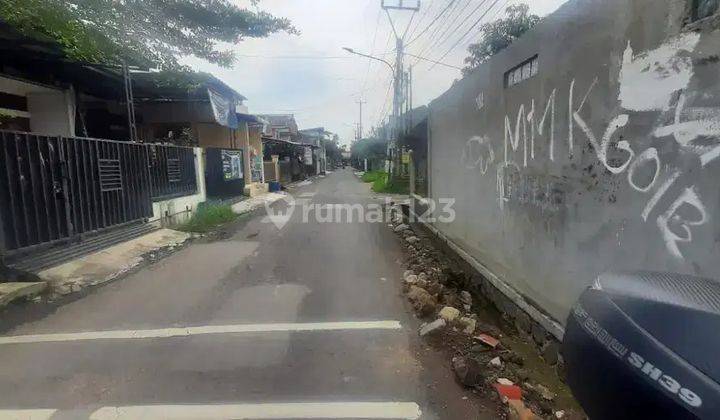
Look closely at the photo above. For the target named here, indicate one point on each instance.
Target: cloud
(322, 88)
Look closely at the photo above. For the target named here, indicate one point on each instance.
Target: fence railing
(55, 189)
(172, 171)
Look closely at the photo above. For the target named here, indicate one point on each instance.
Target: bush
(372, 176)
(382, 184)
(207, 217)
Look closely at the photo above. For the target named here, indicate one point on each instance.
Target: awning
(274, 140)
(249, 118)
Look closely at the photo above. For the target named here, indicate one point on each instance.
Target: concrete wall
(180, 209)
(51, 111)
(607, 159)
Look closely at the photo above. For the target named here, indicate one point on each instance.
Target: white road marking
(308, 194)
(209, 329)
(335, 410)
(34, 414)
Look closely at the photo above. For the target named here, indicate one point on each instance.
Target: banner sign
(232, 164)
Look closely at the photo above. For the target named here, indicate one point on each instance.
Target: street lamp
(351, 51)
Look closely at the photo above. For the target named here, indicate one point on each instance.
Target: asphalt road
(302, 321)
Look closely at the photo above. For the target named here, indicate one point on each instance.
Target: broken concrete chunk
(408, 273)
(545, 392)
(496, 362)
(449, 313)
(512, 357)
(467, 371)
(432, 327)
(412, 239)
(411, 279)
(434, 288)
(505, 381)
(423, 302)
(559, 414)
(465, 297)
(402, 227)
(423, 277)
(468, 324)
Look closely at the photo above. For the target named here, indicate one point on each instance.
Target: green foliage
(371, 176)
(151, 33)
(208, 217)
(369, 148)
(332, 149)
(381, 183)
(498, 35)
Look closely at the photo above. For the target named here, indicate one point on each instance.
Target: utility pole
(360, 127)
(400, 78)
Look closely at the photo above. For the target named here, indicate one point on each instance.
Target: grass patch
(372, 176)
(382, 184)
(208, 217)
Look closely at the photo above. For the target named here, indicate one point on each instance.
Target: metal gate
(55, 189)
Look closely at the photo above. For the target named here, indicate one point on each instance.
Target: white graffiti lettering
(651, 154)
(514, 140)
(691, 198)
(478, 153)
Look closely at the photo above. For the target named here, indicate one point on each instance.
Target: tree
(498, 35)
(332, 149)
(148, 33)
(372, 148)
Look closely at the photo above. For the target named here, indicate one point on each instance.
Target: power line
(437, 17)
(445, 29)
(372, 48)
(420, 20)
(466, 32)
(385, 101)
(412, 17)
(296, 57)
(433, 61)
(462, 23)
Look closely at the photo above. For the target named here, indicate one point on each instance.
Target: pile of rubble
(481, 359)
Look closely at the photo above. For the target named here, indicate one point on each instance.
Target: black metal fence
(55, 189)
(172, 171)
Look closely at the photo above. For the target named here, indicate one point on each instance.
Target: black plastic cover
(644, 344)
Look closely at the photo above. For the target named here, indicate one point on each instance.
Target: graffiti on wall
(655, 82)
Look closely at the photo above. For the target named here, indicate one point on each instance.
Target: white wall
(180, 209)
(52, 112)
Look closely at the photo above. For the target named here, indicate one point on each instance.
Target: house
(283, 140)
(41, 91)
(200, 110)
(316, 137)
(280, 126)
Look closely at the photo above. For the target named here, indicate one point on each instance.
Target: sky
(311, 76)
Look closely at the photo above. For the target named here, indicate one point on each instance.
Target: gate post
(411, 169)
(66, 193)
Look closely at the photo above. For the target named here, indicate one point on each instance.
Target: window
(523, 71)
(704, 8)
